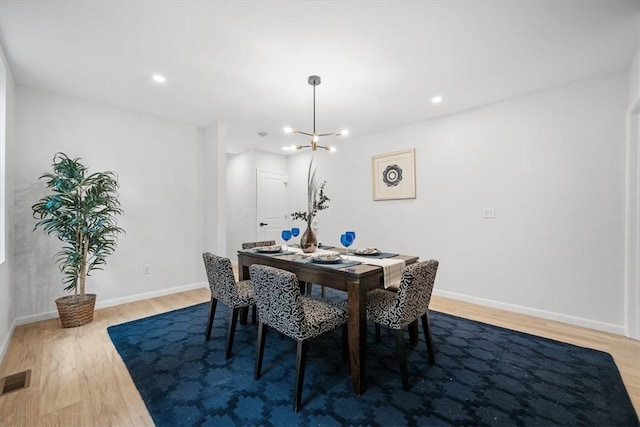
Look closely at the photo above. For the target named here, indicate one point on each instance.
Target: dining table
(355, 280)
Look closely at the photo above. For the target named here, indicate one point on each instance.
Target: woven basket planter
(76, 311)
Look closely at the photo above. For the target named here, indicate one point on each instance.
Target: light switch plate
(489, 213)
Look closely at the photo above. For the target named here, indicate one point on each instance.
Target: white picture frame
(393, 175)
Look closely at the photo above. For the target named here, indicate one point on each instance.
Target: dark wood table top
(318, 273)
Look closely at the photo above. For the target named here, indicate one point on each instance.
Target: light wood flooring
(78, 378)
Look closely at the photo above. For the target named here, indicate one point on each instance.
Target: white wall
(7, 285)
(241, 194)
(553, 166)
(154, 159)
(213, 163)
(634, 80)
(632, 244)
(241, 200)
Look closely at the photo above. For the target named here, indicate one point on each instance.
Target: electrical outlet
(489, 213)
(146, 269)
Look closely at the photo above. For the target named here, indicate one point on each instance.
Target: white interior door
(271, 205)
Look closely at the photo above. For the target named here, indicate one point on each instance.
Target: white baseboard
(148, 295)
(5, 343)
(116, 301)
(564, 318)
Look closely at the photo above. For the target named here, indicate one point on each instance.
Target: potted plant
(81, 211)
(316, 201)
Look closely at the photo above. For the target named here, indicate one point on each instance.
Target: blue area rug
(484, 375)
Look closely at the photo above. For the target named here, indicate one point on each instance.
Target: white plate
(269, 249)
(326, 259)
(367, 251)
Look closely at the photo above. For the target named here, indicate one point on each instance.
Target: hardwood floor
(78, 378)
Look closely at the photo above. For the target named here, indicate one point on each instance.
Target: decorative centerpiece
(316, 201)
(80, 211)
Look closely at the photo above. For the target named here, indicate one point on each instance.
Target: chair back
(251, 245)
(278, 299)
(414, 292)
(222, 282)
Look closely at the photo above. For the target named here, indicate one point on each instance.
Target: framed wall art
(393, 175)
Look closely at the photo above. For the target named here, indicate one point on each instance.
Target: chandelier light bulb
(332, 149)
(344, 132)
(288, 129)
(315, 138)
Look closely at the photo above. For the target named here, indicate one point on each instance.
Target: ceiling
(246, 63)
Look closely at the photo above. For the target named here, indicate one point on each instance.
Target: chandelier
(315, 137)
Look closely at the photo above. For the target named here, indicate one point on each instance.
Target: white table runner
(391, 268)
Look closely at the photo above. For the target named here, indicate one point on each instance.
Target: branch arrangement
(316, 197)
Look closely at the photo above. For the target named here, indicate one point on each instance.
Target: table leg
(357, 300)
(243, 271)
(243, 274)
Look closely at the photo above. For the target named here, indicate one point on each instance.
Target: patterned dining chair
(251, 245)
(224, 288)
(396, 310)
(282, 307)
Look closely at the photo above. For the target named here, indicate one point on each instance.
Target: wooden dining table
(356, 280)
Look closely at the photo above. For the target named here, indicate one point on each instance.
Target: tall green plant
(81, 212)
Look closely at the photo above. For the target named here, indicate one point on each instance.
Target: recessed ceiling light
(263, 134)
(436, 99)
(158, 78)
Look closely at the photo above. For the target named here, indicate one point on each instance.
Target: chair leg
(262, 335)
(212, 313)
(301, 363)
(232, 331)
(426, 327)
(244, 314)
(309, 288)
(253, 314)
(377, 326)
(322, 292)
(402, 360)
(345, 343)
(413, 332)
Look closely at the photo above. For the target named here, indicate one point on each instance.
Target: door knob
(263, 224)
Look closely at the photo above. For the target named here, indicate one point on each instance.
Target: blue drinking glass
(286, 235)
(346, 241)
(352, 234)
(295, 231)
